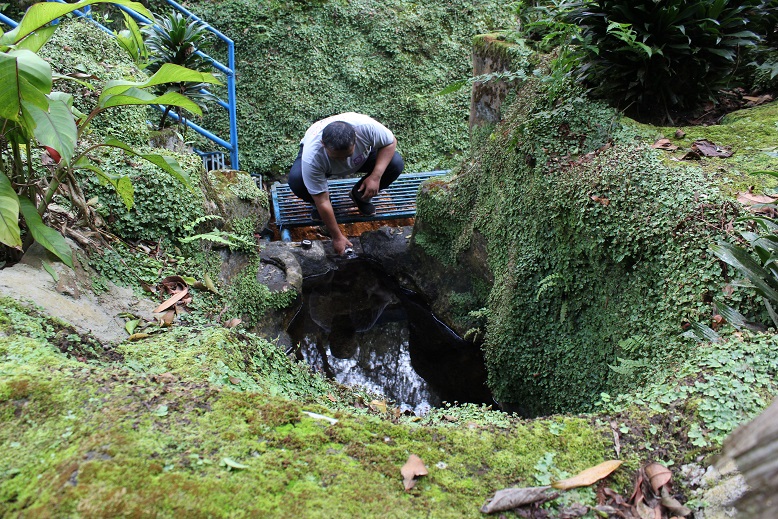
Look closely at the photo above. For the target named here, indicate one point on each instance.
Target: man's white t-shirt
(316, 164)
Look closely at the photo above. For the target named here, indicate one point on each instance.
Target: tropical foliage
(35, 117)
(652, 57)
(177, 40)
(760, 272)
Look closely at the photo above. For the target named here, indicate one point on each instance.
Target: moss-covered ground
(212, 423)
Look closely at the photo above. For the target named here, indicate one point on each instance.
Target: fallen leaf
(331, 398)
(137, 336)
(510, 498)
(167, 318)
(588, 476)
(601, 199)
(232, 323)
(658, 475)
(232, 464)
(680, 134)
(709, 149)
(379, 405)
(317, 416)
(412, 469)
(130, 326)
(664, 144)
(644, 511)
(234, 380)
(756, 101)
(209, 284)
(170, 302)
(757, 203)
(673, 505)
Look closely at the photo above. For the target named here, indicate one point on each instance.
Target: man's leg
(296, 183)
(392, 171)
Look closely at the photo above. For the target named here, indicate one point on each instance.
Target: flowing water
(357, 326)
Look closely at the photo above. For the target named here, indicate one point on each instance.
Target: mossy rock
(596, 242)
(235, 197)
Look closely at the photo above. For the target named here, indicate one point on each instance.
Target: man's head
(338, 138)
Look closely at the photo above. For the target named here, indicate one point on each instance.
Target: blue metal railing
(228, 71)
(9, 22)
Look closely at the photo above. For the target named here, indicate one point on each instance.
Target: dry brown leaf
(756, 101)
(167, 318)
(232, 323)
(588, 476)
(331, 397)
(510, 498)
(710, 149)
(644, 511)
(601, 199)
(664, 144)
(756, 202)
(412, 469)
(137, 336)
(673, 505)
(680, 134)
(174, 284)
(658, 476)
(235, 380)
(170, 302)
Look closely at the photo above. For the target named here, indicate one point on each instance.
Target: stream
(360, 328)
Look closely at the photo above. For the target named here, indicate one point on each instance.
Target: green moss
(158, 434)
(407, 51)
(751, 135)
(78, 48)
(250, 299)
(163, 205)
(593, 241)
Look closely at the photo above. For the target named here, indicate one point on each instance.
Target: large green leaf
(166, 163)
(38, 39)
(9, 214)
(44, 13)
(136, 96)
(51, 239)
(10, 104)
(122, 185)
(26, 77)
(55, 128)
(761, 278)
(168, 73)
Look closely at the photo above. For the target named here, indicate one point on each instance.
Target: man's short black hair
(338, 136)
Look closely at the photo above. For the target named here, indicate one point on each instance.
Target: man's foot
(366, 208)
(315, 216)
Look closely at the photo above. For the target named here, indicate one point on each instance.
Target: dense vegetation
(598, 247)
(301, 61)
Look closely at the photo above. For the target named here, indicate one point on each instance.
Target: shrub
(653, 57)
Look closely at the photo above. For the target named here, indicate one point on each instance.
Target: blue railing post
(9, 22)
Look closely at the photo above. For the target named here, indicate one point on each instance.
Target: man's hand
(369, 187)
(340, 243)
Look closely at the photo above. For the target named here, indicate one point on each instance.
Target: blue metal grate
(397, 201)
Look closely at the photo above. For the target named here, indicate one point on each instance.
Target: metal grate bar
(397, 201)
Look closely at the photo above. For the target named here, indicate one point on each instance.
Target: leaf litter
(652, 496)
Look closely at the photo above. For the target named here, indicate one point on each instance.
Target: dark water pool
(359, 327)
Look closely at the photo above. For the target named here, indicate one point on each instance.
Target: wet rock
(70, 298)
(439, 284)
